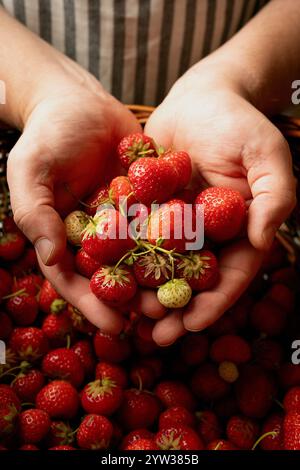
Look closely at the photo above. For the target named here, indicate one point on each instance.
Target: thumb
(160, 127)
(30, 183)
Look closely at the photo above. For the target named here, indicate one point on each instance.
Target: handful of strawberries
(146, 229)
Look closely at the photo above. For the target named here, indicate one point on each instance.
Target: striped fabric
(137, 48)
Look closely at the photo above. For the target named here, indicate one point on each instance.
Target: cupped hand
(234, 145)
(71, 129)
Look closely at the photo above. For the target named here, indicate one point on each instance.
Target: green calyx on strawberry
(200, 269)
(103, 396)
(175, 293)
(114, 285)
(152, 269)
(135, 146)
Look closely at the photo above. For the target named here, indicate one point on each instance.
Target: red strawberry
(5, 283)
(221, 444)
(152, 270)
(33, 425)
(283, 296)
(134, 436)
(289, 375)
(85, 264)
(142, 376)
(106, 238)
(178, 438)
(255, 391)
(94, 432)
(268, 353)
(168, 226)
(194, 349)
(207, 384)
(242, 431)
(268, 317)
(64, 364)
(26, 263)
(103, 396)
(155, 363)
(59, 399)
(200, 269)
(143, 444)
(29, 343)
(226, 406)
(287, 276)
(111, 348)
(6, 326)
(8, 419)
(115, 286)
(62, 448)
(134, 146)
(22, 307)
(27, 384)
(121, 193)
(99, 197)
(291, 400)
(153, 180)
(111, 372)
(49, 299)
(209, 427)
(60, 433)
(9, 225)
(176, 416)
(139, 409)
(230, 348)
(30, 282)
(224, 213)
(144, 327)
(12, 246)
(28, 447)
(175, 393)
(79, 321)
(181, 161)
(84, 352)
(57, 327)
(9, 397)
(274, 441)
(291, 431)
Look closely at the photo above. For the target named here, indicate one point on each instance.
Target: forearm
(264, 57)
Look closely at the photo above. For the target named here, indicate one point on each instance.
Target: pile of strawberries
(67, 385)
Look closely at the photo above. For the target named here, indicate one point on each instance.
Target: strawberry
(209, 427)
(228, 371)
(155, 363)
(63, 363)
(112, 285)
(60, 433)
(181, 161)
(207, 384)
(174, 294)
(28, 447)
(79, 322)
(27, 384)
(75, 223)
(274, 441)
(62, 448)
(112, 373)
(121, 193)
(57, 327)
(99, 197)
(221, 444)
(144, 327)
(242, 431)
(289, 375)
(94, 432)
(49, 299)
(134, 436)
(176, 416)
(232, 348)
(6, 326)
(194, 349)
(168, 226)
(12, 246)
(134, 146)
(85, 264)
(200, 269)
(59, 399)
(30, 282)
(268, 317)
(178, 438)
(144, 348)
(33, 425)
(291, 400)
(9, 225)
(29, 343)
(5, 283)
(174, 393)
(255, 390)
(287, 276)
(9, 397)
(291, 431)
(226, 406)
(111, 348)
(25, 264)
(103, 396)
(152, 270)
(83, 350)
(8, 419)
(139, 409)
(22, 307)
(142, 376)
(143, 444)
(153, 180)
(106, 237)
(283, 296)
(224, 213)
(268, 353)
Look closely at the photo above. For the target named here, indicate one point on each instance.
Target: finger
(273, 189)
(159, 128)
(169, 329)
(75, 289)
(146, 302)
(238, 265)
(30, 184)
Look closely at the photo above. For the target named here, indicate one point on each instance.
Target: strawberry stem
(15, 294)
(270, 433)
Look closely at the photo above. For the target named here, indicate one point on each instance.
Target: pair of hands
(71, 129)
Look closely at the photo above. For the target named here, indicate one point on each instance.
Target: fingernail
(268, 236)
(44, 248)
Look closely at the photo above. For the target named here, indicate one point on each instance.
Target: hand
(71, 129)
(231, 144)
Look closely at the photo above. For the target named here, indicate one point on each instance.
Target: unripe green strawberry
(175, 293)
(75, 223)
